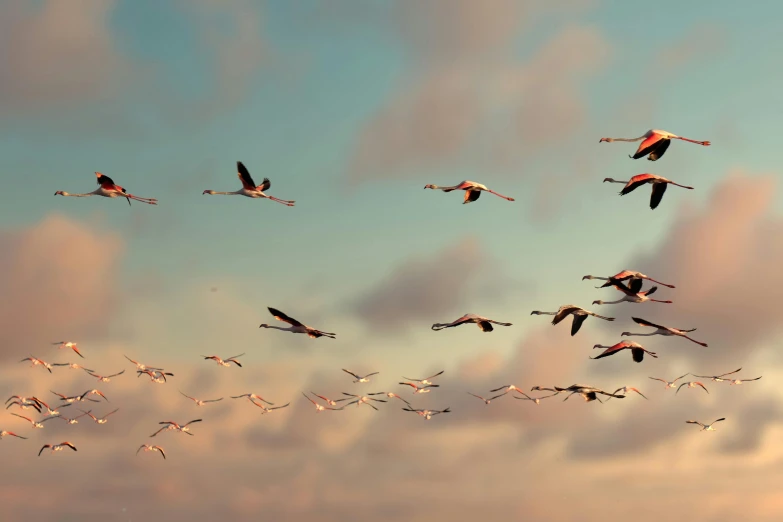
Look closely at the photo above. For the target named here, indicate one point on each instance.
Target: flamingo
(225, 362)
(296, 326)
(420, 389)
(663, 330)
(330, 402)
(472, 190)
(58, 447)
(24, 405)
(4, 433)
(362, 399)
(390, 395)
(171, 425)
(35, 424)
(427, 414)
(487, 401)
(659, 184)
(147, 447)
(318, 407)
(622, 276)
(484, 324)
(49, 410)
(426, 380)
(140, 366)
(732, 382)
(198, 402)
(109, 189)
(539, 388)
(359, 379)
(633, 293)
(249, 188)
(92, 392)
(24, 400)
(669, 384)
(107, 378)
(69, 344)
(718, 378)
(265, 409)
(252, 397)
(691, 384)
(625, 390)
(75, 398)
(536, 400)
(637, 350)
(706, 427)
(655, 143)
(588, 393)
(508, 388)
(157, 376)
(38, 362)
(75, 420)
(102, 420)
(72, 366)
(580, 315)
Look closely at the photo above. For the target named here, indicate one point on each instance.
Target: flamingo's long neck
(283, 328)
(236, 193)
(67, 194)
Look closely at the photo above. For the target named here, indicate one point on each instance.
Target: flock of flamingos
(653, 145)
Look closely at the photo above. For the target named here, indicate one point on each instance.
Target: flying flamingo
(109, 189)
(362, 399)
(588, 393)
(107, 378)
(622, 276)
(536, 400)
(140, 366)
(633, 293)
(580, 315)
(38, 362)
(427, 414)
(93, 392)
(170, 425)
(732, 382)
(390, 395)
(637, 350)
(225, 362)
(265, 409)
(249, 188)
(426, 380)
(420, 389)
(508, 388)
(626, 389)
(705, 427)
(663, 330)
(49, 410)
(3, 433)
(318, 407)
(330, 402)
(539, 388)
(252, 398)
(69, 344)
(484, 324)
(669, 384)
(24, 405)
(472, 190)
(31, 421)
(158, 376)
(75, 420)
(359, 379)
(58, 447)
(72, 366)
(655, 143)
(296, 326)
(102, 420)
(718, 378)
(659, 184)
(691, 384)
(198, 402)
(147, 447)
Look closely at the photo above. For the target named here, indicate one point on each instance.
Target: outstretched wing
(351, 373)
(280, 316)
(563, 313)
(636, 285)
(643, 322)
(658, 190)
(264, 185)
(244, 176)
(471, 195)
(105, 181)
(577, 323)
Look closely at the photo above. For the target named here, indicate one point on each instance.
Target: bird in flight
(633, 293)
(330, 402)
(108, 189)
(654, 143)
(508, 388)
(157, 376)
(252, 397)
(140, 366)
(23, 403)
(426, 380)
(706, 427)
(732, 382)
(691, 384)
(147, 447)
(537, 400)
(34, 424)
(588, 393)
(69, 344)
(249, 188)
(358, 378)
(72, 366)
(198, 402)
(622, 276)
(4, 433)
(57, 447)
(363, 399)
(171, 425)
(420, 389)
(625, 390)
(718, 378)
(472, 190)
(637, 350)
(107, 378)
(390, 395)
(484, 324)
(663, 330)
(222, 362)
(102, 420)
(320, 407)
(580, 315)
(84, 395)
(38, 362)
(659, 184)
(669, 384)
(427, 414)
(265, 409)
(296, 326)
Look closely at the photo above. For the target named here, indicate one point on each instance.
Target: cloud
(59, 280)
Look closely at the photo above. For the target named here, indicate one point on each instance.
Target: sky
(350, 108)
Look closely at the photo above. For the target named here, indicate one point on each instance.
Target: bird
(75, 398)
(669, 384)
(487, 401)
(637, 350)
(580, 315)
(296, 326)
(625, 390)
(72, 366)
(49, 410)
(507, 387)
(622, 276)
(426, 380)
(420, 389)
(539, 388)
(92, 392)
(427, 414)
(140, 366)
(706, 427)
(718, 378)
(360, 378)
(362, 399)
(319, 407)
(4, 433)
(170, 425)
(655, 143)
(69, 344)
(157, 376)
(38, 362)
(691, 384)
(31, 421)
(537, 400)
(663, 330)
(24, 405)
(249, 188)
(633, 293)
(198, 402)
(222, 362)
(472, 190)
(732, 382)
(75, 420)
(147, 447)
(265, 409)
(390, 395)
(484, 324)
(107, 378)
(102, 420)
(252, 397)
(108, 189)
(588, 393)
(659, 184)
(330, 402)
(57, 447)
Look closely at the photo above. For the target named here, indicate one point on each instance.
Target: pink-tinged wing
(646, 145)
(244, 177)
